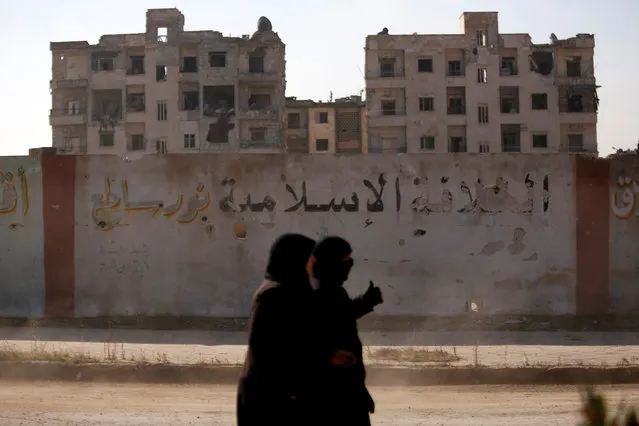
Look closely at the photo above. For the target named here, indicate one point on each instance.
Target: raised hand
(373, 294)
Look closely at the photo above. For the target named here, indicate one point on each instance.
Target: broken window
(160, 73)
(259, 101)
(103, 62)
(136, 65)
(135, 102)
(482, 113)
(508, 66)
(575, 103)
(426, 104)
(321, 145)
(256, 64)
(258, 134)
(576, 142)
(454, 68)
(510, 138)
(189, 140)
(137, 142)
(388, 107)
(542, 62)
(509, 100)
(540, 140)
(218, 100)
(425, 65)
(293, 120)
(163, 34)
(482, 38)
(456, 144)
(573, 66)
(162, 111)
(323, 117)
(387, 67)
(190, 100)
(107, 139)
(482, 75)
(539, 101)
(189, 64)
(217, 59)
(456, 100)
(427, 143)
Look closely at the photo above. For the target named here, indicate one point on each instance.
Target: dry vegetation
(596, 412)
(414, 355)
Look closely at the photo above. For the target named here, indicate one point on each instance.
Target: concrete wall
(21, 238)
(178, 235)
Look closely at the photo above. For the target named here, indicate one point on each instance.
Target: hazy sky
(324, 46)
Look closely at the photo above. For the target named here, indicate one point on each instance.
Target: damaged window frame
(540, 140)
(576, 142)
(508, 66)
(136, 65)
(388, 107)
(160, 73)
(217, 59)
(190, 100)
(103, 62)
(294, 120)
(539, 101)
(426, 143)
(258, 134)
(387, 67)
(107, 139)
(457, 144)
(137, 142)
(135, 102)
(425, 65)
(256, 63)
(510, 141)
(321, 145)
(426, 104)
(189, 65)
(454, 68)
(573, 67)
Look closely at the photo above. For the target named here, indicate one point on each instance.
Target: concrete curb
(380, 323)
(380, 376)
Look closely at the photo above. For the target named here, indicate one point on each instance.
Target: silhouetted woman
(284, 357)
(345, 399)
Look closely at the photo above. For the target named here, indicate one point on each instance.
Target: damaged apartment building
(480, 91)
(337, 127)
(169, 91)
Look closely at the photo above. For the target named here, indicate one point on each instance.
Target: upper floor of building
(166, 48)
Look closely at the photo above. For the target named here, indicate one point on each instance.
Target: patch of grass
(38, 353)
(414, 355)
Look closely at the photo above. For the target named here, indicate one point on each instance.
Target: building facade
(480, 91)
(169, 91)
(326, 127)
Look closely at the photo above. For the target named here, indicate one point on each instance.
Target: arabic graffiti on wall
(110, 209)
(624, 198)
(11, 196)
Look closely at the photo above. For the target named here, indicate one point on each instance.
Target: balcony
(269, 144)
(73, 83)
(387, 118)
(259, 77)
(267, 113)
(67, 117)
(385, 79)
(73, 149)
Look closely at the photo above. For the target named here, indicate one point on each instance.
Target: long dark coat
(282, 361)
(344, 392)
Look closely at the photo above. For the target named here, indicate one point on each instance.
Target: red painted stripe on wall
(592, 235)
(58, 210)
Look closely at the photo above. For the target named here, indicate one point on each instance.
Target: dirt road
(54, 404)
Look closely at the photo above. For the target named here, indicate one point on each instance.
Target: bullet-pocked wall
(189, 235)
(21, 238)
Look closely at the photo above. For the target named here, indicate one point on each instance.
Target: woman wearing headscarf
(344, 393)
(284, 356)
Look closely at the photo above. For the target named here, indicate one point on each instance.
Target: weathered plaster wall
(624, 236)
(21, 238)
(178, 235)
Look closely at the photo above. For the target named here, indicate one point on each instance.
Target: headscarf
(287, 260)
(331, 267)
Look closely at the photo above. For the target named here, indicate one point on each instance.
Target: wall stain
(533, 257)
(492, 248)
(555, 278)
(517, 246)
